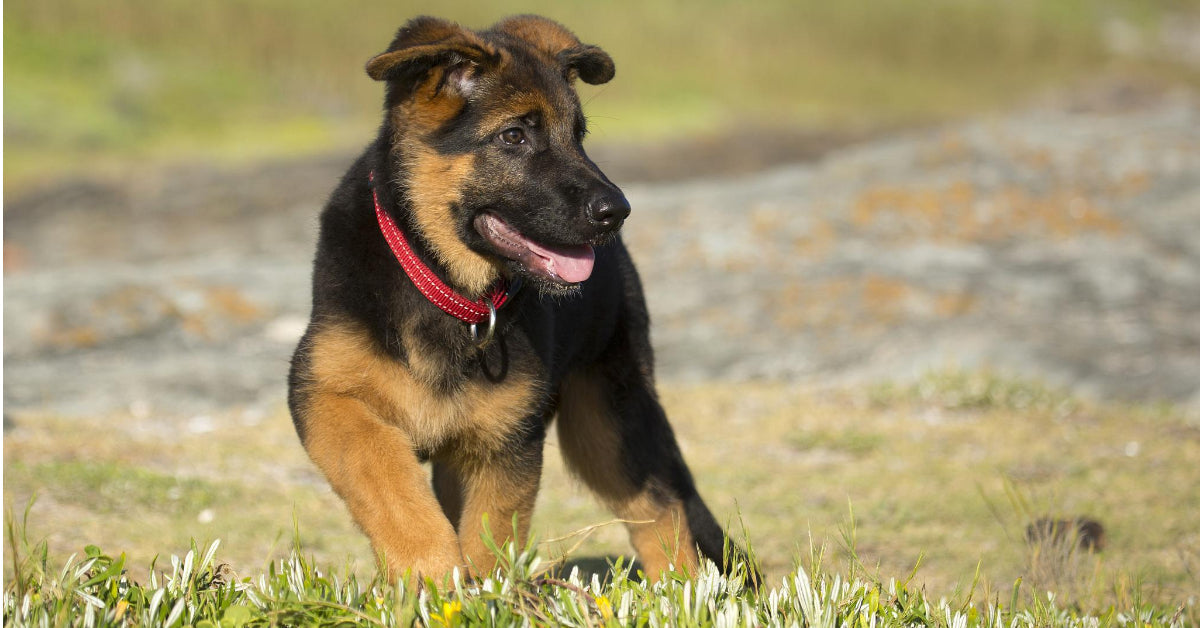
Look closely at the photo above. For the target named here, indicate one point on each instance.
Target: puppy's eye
(512, 136)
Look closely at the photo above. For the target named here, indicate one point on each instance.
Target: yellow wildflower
(449, 611)
(604, 606)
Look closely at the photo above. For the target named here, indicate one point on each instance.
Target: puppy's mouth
(560, 264)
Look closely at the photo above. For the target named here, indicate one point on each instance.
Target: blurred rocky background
(821, 193)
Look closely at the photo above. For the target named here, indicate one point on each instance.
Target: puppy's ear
(592, 64)
(426, 43)
(589, 63)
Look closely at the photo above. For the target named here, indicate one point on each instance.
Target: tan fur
(665, 540)
(365, 415)
(430, 106)
(518, 105)
(427, 109)
(372, 467)
(478, 416)
(547, 36)
(435, 184)
(498, 489)
(588, 438)
(591, 447)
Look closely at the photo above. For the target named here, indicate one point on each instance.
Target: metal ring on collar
(491, 329)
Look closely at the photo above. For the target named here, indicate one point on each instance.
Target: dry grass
(948, 472)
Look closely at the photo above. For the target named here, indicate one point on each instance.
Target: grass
(938, 478)
(95, 590)
(120, 82)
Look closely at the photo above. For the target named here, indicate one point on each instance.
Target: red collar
(430, 285)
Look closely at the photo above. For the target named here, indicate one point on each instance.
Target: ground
(1027, 282)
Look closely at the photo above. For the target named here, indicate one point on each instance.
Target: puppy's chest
(478, 412)
(478, 407)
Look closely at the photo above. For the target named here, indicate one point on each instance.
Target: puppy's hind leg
(614, 435)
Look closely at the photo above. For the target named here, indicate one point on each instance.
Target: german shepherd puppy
(479, 169)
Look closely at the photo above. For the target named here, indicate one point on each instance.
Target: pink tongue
(572, 264)
(569, 264)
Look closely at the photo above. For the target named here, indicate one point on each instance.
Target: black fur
(542, 187)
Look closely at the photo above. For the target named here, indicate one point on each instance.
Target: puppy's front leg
(499, 484)
(373, 468)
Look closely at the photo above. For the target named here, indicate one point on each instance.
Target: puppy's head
(488, 148)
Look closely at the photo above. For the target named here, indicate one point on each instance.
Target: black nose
(608, 211)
